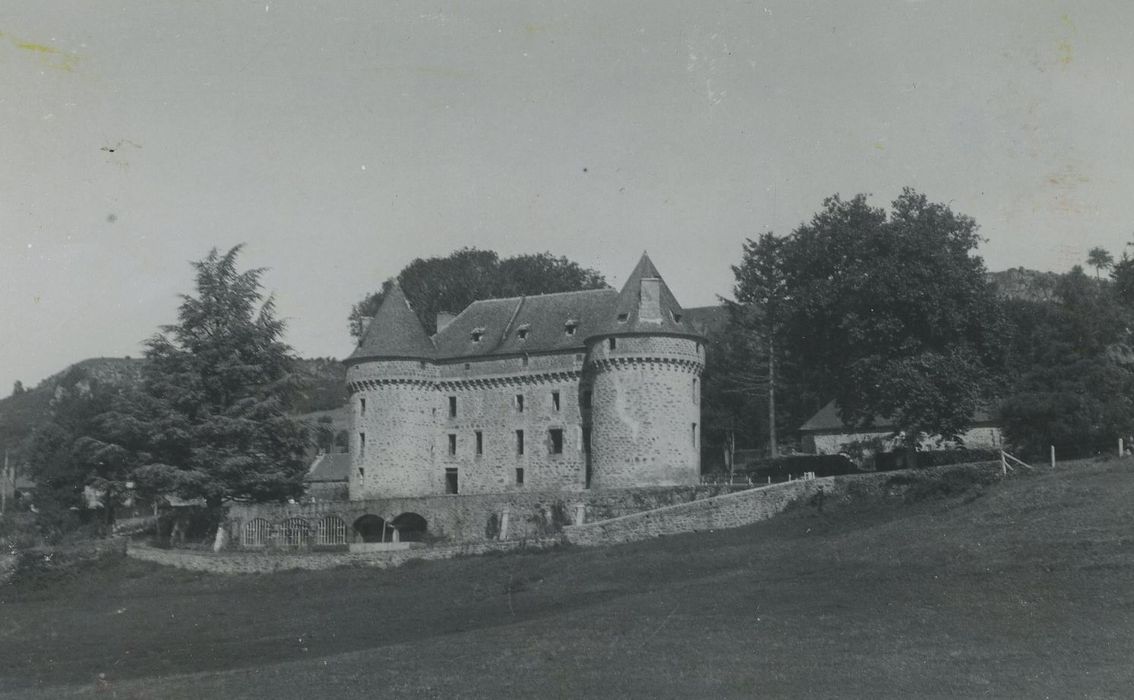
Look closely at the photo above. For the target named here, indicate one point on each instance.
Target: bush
(899, 459)
(781, 468)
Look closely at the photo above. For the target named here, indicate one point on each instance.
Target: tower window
(519, 476)
(519, 442)
(452, 445)
(519, 403)
(452, 406)
(362, 406)
(555, 400)
(612, 343)
(693, 434)
(479, 443)
(622, 318)
(556, 435)
(694, 390)
(362, 444)
(451, 483)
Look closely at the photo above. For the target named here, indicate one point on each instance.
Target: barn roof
(827, 420)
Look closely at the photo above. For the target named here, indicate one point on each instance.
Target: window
(556, 435)
(362, 406)
(555, 400)
(676, 317)
(612, 343)
(587, 398)
(451, 484)
(570, 326)
(452, 406)
(519, 476)
(477, 334)
(362, 444)
(522, 332)
(519, 442)
(622, 318)
(479, 443)
(694, 390)
(452, 445)
(361, 472)
(519, 403)
(694, 434)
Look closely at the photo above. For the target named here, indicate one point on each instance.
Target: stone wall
(646, 411)
(480, 517)
(268, 562)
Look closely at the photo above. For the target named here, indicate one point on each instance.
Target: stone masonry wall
(479, 518)
(646, 412)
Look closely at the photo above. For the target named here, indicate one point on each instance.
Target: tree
(453, 282)
(215, 393)
(1099, 259)
(890, 313)
(18, 388)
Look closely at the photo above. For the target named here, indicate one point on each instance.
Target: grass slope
(1020, 589)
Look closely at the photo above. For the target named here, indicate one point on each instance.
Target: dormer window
(676, 317)
(477, 334)
(522, 332)
(570, 326)
(622, 318)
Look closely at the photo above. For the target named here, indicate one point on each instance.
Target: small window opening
(519, 442)
(479, 443)
(676, 317)
(556, 435)
(695, 390)
(570, 326)
(622, 318)
(477, 334)
(694, 434)
(451, 483)
(361, 472)
(555, 400)
(519, 403)
(362, 444)
(452, 406)
(362, 406)
(612, 343)
(452, 445)
(522, 332)
(519, 476)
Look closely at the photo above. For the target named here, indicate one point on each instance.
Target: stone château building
(580, 390)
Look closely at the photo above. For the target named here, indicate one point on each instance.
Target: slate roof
(672, 320)
(827, 420)
(708, 319)
(329, 466)
(539, 323)
(395, 332)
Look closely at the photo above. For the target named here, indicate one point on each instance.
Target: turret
(391, 379)
(644, 364)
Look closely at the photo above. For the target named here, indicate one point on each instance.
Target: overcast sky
(341, 140)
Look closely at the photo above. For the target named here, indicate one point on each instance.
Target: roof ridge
(548, 294)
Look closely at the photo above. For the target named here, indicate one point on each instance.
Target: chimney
(649, 300)
(444, 318)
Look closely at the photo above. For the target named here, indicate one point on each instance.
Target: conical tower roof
(645, 306)
(395, 332)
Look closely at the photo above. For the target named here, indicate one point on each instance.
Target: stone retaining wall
(268, 562)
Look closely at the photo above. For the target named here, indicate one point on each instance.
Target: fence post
(1121, 451)
(1053, 456)
(1003, 464)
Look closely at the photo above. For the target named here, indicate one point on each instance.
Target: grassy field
(1024, 588)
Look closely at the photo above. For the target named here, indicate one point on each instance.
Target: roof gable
(645, 290)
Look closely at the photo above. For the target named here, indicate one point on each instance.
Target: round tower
(391, 380)
(644, 366)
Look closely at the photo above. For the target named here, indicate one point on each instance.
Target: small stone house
(826, 434)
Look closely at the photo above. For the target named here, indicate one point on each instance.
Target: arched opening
(371, 528)
(295, 532)
(330, 530)
(256, 533)
(411, 527)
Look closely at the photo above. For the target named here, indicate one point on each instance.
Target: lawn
(1020, 589)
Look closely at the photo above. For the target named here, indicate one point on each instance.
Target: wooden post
(5, 479)
(1003, 464)
(1121, 451)
(1053, 456)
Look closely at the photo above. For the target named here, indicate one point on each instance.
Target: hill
(321, 386)
(1022, 283)
(1016, 589)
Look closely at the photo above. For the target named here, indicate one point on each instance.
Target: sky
(340, 140)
